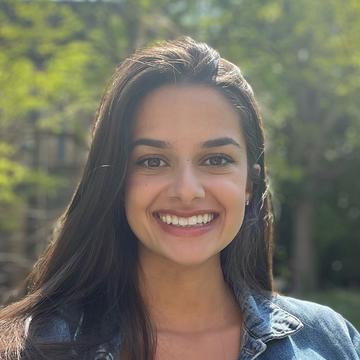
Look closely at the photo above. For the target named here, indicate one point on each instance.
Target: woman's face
(187, 182)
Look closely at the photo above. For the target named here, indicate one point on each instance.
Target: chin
(192, 260)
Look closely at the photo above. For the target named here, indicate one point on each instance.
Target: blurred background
(303, 60)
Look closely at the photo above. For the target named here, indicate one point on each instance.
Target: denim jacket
(276, 327)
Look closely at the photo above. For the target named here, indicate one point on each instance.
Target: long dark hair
(92, 259)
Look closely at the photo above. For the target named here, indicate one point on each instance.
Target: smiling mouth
(191, 221)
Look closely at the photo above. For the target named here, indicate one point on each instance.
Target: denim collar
(264, 321)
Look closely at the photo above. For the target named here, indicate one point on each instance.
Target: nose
(186, 185)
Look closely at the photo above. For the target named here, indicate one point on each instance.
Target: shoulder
(62, 325)
(310, 313)
(322, 324)
(302, 308)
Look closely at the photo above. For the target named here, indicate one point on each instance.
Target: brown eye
(218, 160)
(151, 163)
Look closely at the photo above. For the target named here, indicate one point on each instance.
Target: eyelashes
(218, 160)
(152, 162)
(213, 161)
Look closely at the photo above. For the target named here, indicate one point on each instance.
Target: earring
(247, 202)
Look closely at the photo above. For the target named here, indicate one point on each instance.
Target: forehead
(179, 113)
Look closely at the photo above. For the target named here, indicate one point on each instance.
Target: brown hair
(92, 259)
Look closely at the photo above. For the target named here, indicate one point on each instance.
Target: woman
(165, 249)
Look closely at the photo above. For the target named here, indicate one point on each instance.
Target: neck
(182, 298)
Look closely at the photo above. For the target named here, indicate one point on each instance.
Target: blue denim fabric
(286, 328)
(276, 327)
(64, 326)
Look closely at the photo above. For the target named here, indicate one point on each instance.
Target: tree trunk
(305, 278)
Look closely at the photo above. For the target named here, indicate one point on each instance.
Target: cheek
(140, 191)
(231, 195)
(231, 190)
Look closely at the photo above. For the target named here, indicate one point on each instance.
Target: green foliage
(42, 67)
(11, 175)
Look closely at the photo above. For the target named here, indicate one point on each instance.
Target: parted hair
(91, 260)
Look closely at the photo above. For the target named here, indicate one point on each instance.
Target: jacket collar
(264, 320)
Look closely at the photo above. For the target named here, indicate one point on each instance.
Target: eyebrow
(220, 142)
(223, 141)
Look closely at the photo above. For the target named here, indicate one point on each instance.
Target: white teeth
(190, 221)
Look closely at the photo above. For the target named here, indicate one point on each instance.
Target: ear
(254, 174)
